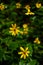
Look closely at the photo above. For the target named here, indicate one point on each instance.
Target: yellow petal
(13, 25)
(31, 13)
(29, 10)
(11, 29)
(27, 13)
(38, 42)
(13, 33)
(26, 49)
(27, 55)
(20, 52)
(24, 56)
(21, 56)
(25, 25)
(21, 48)
(28, 52)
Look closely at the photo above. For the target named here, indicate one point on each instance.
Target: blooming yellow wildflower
(2, 7)
(14, 29)
(37, 41)
(29, 13)
(25, 28)
(18, 5)
(38, 5)
(27, 7)
(25, 31)
(25, 25)
(28, 10)
(24, 52)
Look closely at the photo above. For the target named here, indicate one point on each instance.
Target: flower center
(14, 29)
(24, 52)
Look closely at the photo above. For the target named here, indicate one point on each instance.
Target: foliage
(21, 30)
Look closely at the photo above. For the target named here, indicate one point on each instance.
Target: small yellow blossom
(37, 41)
(25, 28)
(25, 25)
(27, 7)
(14, 30)
(25, 31)
(29, 13)
(24, 52)
(18, 5)
(38, 5)
(2, 7)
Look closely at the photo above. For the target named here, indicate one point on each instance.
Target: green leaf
(21, 62)
(30, 48)
(13, 45)
(1, 53)
(33, 62)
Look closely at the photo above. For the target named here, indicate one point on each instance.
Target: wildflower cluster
(21, 36)
(27, 7)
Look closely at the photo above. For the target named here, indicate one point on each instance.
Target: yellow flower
(25, 25)
(14, 30)
(38, 5)
(29, 13)
(27, 7)
(2, 7)
(25, 31)
(28, 10)
(24, 52)
(25, 28)
(18, 5)
(37, 41)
